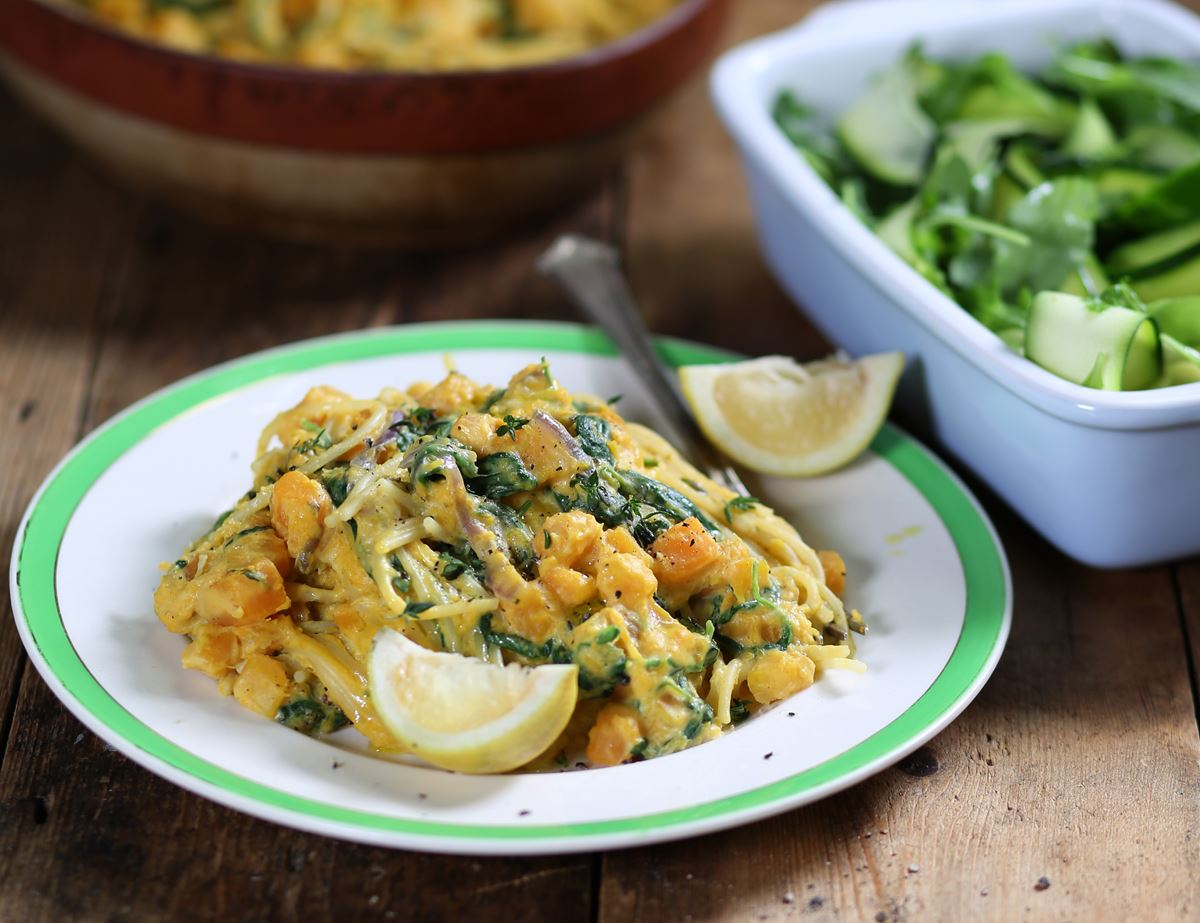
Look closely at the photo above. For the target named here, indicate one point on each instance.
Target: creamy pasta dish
(515, 524)
(390, 34)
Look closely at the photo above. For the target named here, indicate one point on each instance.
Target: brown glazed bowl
(368, 157)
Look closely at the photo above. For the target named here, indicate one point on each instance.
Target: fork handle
(590, 272)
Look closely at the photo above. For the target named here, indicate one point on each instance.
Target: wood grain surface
(1070, 790)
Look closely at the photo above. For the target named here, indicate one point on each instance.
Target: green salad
(1062, 210)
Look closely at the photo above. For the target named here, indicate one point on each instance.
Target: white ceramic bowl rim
(739, 93)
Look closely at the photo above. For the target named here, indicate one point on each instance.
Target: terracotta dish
(417, 159)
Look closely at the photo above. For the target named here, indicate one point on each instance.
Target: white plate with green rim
(926, 570)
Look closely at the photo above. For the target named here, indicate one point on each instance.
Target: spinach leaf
(456, 560)
(593, 434)
(637, 486)
(552, 651)
(336, 481)
(429, 457)
(701, 712)
(602, 666)
(511, 528)
(596, 496)
(311, 716)
(734, 647)
(617, 497)
(501, 475)
(416, 423)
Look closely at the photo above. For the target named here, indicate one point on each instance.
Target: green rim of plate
(52, 509)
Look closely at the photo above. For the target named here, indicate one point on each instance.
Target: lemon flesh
(465, 714)
(777, 416)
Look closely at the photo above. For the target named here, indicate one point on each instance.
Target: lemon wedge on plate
(777, 416)
(465, 714)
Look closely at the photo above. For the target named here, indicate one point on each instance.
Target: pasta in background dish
(427, 35)
(517, 524)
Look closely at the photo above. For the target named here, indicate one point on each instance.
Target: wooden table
(1077, 767)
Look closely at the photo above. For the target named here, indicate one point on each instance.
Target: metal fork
(590, 272)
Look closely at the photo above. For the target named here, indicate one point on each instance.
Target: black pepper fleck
(880, 917)
(767, 756)
(1042, 884)
(26, 410)
(791, 714)
(816, 903)
(524, 812)
(337, 765)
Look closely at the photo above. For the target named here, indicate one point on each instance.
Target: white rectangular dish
(1111, 478)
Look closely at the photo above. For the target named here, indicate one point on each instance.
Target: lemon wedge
(465, 714)
(777, 416)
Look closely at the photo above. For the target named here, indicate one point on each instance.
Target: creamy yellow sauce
(516, 524)
(391, 34)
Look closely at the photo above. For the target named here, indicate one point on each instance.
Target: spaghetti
(518, 524)
(423, 35)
